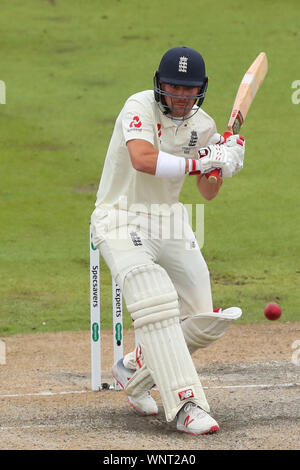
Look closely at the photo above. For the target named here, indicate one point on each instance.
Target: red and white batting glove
(228, 157)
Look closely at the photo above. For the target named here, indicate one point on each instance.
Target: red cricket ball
(272, 311)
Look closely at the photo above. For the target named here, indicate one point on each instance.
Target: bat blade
(247, 90)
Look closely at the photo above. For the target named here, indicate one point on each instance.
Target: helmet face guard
(184, 67)
(160, 94)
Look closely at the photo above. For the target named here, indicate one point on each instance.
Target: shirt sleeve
(137, 121)
(214, 135)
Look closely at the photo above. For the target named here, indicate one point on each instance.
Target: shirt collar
(168, 122)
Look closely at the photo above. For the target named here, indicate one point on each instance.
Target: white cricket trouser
(126, 241)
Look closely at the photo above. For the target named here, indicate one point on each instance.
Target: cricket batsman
(160, 137)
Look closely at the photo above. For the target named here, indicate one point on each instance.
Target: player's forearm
(143, 156)
(206, 189)
(147, 159)
(153, 164)
(146, 162)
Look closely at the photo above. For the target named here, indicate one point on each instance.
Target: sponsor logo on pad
(185, 394)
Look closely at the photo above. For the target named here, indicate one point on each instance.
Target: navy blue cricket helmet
(181, 66)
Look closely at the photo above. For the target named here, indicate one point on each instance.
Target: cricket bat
(249, 85)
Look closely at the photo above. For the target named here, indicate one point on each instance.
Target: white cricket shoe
(144, 404)
(193, 420)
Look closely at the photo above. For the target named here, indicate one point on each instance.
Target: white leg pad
(134, 359)
(203, 329)
(152, 301)
(170, 364)
(140, 382)
(199, 332)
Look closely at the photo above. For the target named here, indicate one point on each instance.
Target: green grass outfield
(68, 66)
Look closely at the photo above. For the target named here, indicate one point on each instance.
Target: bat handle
(214, 174)
(227, 134)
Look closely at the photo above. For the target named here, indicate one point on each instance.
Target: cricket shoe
(144, 404)
(193, 420)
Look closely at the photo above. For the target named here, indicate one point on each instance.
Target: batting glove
(228, 157)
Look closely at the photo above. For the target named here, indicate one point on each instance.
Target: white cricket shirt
(121, 186)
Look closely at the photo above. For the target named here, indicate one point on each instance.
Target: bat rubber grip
(227, 134)
(214, 174)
